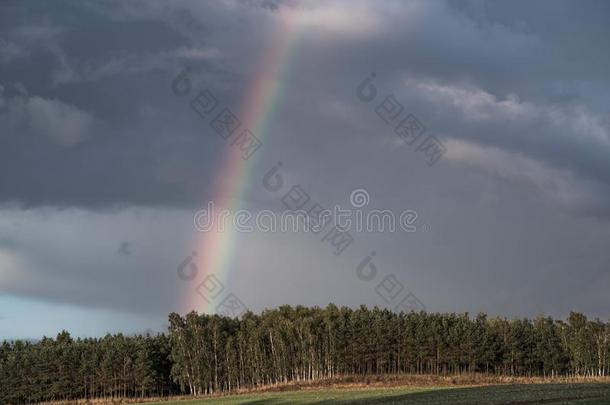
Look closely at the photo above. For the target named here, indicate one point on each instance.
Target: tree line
(204, 354)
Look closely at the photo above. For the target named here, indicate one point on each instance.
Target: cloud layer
(95, 148)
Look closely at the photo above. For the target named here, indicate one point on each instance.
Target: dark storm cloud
(509, 82)
(518, 92)
(94, 122)
(106, 69)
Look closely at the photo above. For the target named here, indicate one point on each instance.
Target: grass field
(555, 394)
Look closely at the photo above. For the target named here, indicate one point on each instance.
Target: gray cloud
(64, 123)
(10, 51)
(124, 249)
(474, 48)
(91, 133)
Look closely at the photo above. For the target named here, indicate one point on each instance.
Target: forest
(203, 354)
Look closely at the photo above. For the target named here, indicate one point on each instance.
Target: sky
(105, 160)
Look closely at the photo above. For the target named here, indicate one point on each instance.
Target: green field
(581, 394)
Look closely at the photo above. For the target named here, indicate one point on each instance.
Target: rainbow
(256, 111)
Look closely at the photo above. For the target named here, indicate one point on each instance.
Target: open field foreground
(581, 394)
